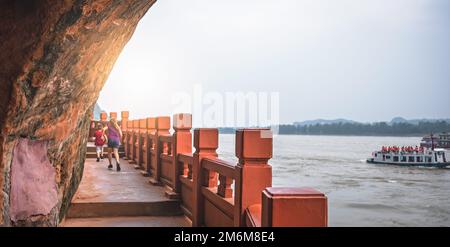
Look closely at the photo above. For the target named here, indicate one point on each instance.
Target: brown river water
(359, 194)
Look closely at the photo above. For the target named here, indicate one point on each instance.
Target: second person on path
(114, 134)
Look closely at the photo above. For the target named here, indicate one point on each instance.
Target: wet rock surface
(55, 56)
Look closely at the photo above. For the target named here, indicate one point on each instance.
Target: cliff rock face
(55, 57)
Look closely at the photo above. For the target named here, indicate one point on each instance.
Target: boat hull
(438, 165)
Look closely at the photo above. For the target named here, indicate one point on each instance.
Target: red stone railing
(212, 191)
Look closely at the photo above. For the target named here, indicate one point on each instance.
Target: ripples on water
(359, 194)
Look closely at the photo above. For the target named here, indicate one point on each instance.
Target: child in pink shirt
(100, 140)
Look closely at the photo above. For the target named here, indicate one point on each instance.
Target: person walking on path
(100, 140)
(114, 134)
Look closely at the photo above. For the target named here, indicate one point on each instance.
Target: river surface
(359, 194)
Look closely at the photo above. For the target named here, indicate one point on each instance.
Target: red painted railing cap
(206, 138)
(135, 124)
(103, 116)
(151, 123)
(163, 123)
(254, 143)
(143, 123)
(207, 129)
(124, 114)
(293, 191)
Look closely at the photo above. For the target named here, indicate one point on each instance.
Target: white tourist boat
(411, 157)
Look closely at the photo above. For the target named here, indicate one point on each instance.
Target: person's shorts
(99, 149)
(113, 143)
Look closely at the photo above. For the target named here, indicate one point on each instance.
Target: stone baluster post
(141, 135)
(128, 139)
(103, 117)
(124, 115)
(113, 115)
(253, 173)
(134, 135)
(124, 120)
(182, 143)
(162, 127)
(206, 142)
(148, 145)
(92, 128)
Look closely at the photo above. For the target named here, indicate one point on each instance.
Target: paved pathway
(126, 198)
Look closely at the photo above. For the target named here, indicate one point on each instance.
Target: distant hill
(323, 121)
(398, 126)
(396, 120)
(417, 121)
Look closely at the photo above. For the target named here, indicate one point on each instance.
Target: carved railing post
(103, 117)
(254, 174)
(123, 125)
(294, 207)
(182, 138)
(148, 145)
(113, 115)
(134, 134)
(124, 119)
(162, 127)
(92, 128)
(141, 136)
(137, 142)
(127, 140)
(206, 142)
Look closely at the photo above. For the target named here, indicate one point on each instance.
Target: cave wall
(55, 58)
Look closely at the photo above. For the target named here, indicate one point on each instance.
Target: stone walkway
(126, 198)
(140, 221)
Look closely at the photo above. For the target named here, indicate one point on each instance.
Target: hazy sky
(365, 60)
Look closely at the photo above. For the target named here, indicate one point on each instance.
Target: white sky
(366, 60)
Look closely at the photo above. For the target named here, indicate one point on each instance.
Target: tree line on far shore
(370, 129)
